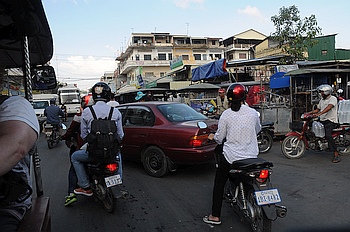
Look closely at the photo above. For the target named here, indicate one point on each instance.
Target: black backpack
(103, 145)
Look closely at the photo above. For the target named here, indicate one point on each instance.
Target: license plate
(113, 180)
(269, 196)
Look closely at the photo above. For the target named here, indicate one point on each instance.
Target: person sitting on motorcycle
(53, 114)
(101, 94)
(239, 126)
(327, 112)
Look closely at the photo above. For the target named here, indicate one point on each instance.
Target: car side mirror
(202, 125)
(43, 78)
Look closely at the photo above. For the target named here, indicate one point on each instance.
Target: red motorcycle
(310, 135)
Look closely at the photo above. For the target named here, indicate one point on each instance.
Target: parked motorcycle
(250, 192)
(265, 136)
(308, 136)
(53, 134)
(103, 177)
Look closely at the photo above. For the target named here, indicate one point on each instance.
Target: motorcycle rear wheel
(261, 222)
(292, 147)
(265, 141)
(108, 201)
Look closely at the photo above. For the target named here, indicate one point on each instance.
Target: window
(162, 74)
(218, 56)
(324, 52)
(170, 56)
(205, 57)
(149, 74)
(137, 57)
(197, 56)
(137, 116)
(213, 42)
(147, 57)
(185, 57)
(242, 56)
(161, 56)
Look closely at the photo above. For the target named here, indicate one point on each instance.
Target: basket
(296, 126)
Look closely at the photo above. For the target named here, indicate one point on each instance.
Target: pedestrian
(19, 131)
(327, 113)
(221, 102)
(237, 133)
(101, 94)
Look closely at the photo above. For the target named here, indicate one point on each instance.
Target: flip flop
(207, 220)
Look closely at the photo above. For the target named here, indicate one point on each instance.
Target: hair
(235, 105)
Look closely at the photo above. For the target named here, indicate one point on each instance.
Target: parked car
(163, 135)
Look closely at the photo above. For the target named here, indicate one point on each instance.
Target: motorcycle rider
(327, 113)
(53, 114)
(238, 127)
(101, 93)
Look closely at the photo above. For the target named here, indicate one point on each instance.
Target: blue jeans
(80, 157)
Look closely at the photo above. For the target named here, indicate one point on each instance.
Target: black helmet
(52, 101)
(101, 92)
(236, 92)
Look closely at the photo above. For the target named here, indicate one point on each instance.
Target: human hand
(211, 136)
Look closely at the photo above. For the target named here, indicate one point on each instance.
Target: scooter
(250, 192)
(265, 136)
(53, 134)
(104, 178)
(307, 136)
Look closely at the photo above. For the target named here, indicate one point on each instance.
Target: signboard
(177, 62)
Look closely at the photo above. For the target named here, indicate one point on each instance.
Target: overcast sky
(89, 34)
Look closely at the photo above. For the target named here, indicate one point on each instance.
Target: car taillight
(112, 167)
(263, 175)
(198, 140)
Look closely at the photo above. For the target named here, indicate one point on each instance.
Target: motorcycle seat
(267, 123)
(251, 163)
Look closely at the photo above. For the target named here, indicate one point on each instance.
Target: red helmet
(236, 92)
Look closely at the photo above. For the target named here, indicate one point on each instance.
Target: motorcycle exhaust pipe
(281, 211)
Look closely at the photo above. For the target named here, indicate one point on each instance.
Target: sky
(89, 34)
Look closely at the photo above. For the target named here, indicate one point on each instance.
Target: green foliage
(293, 34)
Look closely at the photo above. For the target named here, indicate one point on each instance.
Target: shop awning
(210, 70)
(279, 80)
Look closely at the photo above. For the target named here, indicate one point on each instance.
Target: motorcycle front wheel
(292, 147)
(265, 141)
(108, 201)
(260, 223)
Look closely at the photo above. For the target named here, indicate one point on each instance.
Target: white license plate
(113, 180)
(269, 196)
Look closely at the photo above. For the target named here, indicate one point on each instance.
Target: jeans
(328, 127)
(8, 223)
(80, 157)
(72, 176)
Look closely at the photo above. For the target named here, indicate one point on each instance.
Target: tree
(293, 34)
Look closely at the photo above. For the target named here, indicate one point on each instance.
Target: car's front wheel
(155, 162)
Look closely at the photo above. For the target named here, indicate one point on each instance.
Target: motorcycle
(53, 134)
(307, 135)
(265, 136)
(103, 178)
(250, 192)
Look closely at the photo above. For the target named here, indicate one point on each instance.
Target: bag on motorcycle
(103, 145)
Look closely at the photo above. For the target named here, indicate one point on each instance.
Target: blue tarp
(210, 70)
(278, 80)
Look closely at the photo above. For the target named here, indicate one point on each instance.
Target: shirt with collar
(240, 129)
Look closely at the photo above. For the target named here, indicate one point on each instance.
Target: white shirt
(331, 115)
(240, 130)
(113, 103)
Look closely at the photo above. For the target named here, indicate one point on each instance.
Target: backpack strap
(93, 112)
(110, 113)
(3, 98)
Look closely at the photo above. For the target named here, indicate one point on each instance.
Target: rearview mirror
(43, 78)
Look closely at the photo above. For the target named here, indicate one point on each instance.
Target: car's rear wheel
(155, 162)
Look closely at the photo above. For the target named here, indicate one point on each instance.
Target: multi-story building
(154, 56)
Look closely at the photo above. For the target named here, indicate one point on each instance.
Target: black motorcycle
(250, 192)
(265, 136)
(53, 133)
(103, 178)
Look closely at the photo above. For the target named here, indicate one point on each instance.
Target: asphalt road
(315, 191)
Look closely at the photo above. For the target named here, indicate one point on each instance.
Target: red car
(164, 134)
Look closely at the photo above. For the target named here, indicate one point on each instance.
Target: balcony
(129, 65)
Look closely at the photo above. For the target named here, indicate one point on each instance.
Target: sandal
(209, 221)
(336, 159)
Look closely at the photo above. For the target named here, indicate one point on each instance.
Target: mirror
(202, 125)
(43, 78)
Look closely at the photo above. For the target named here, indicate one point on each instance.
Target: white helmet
(326, 89)
(340, 91)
